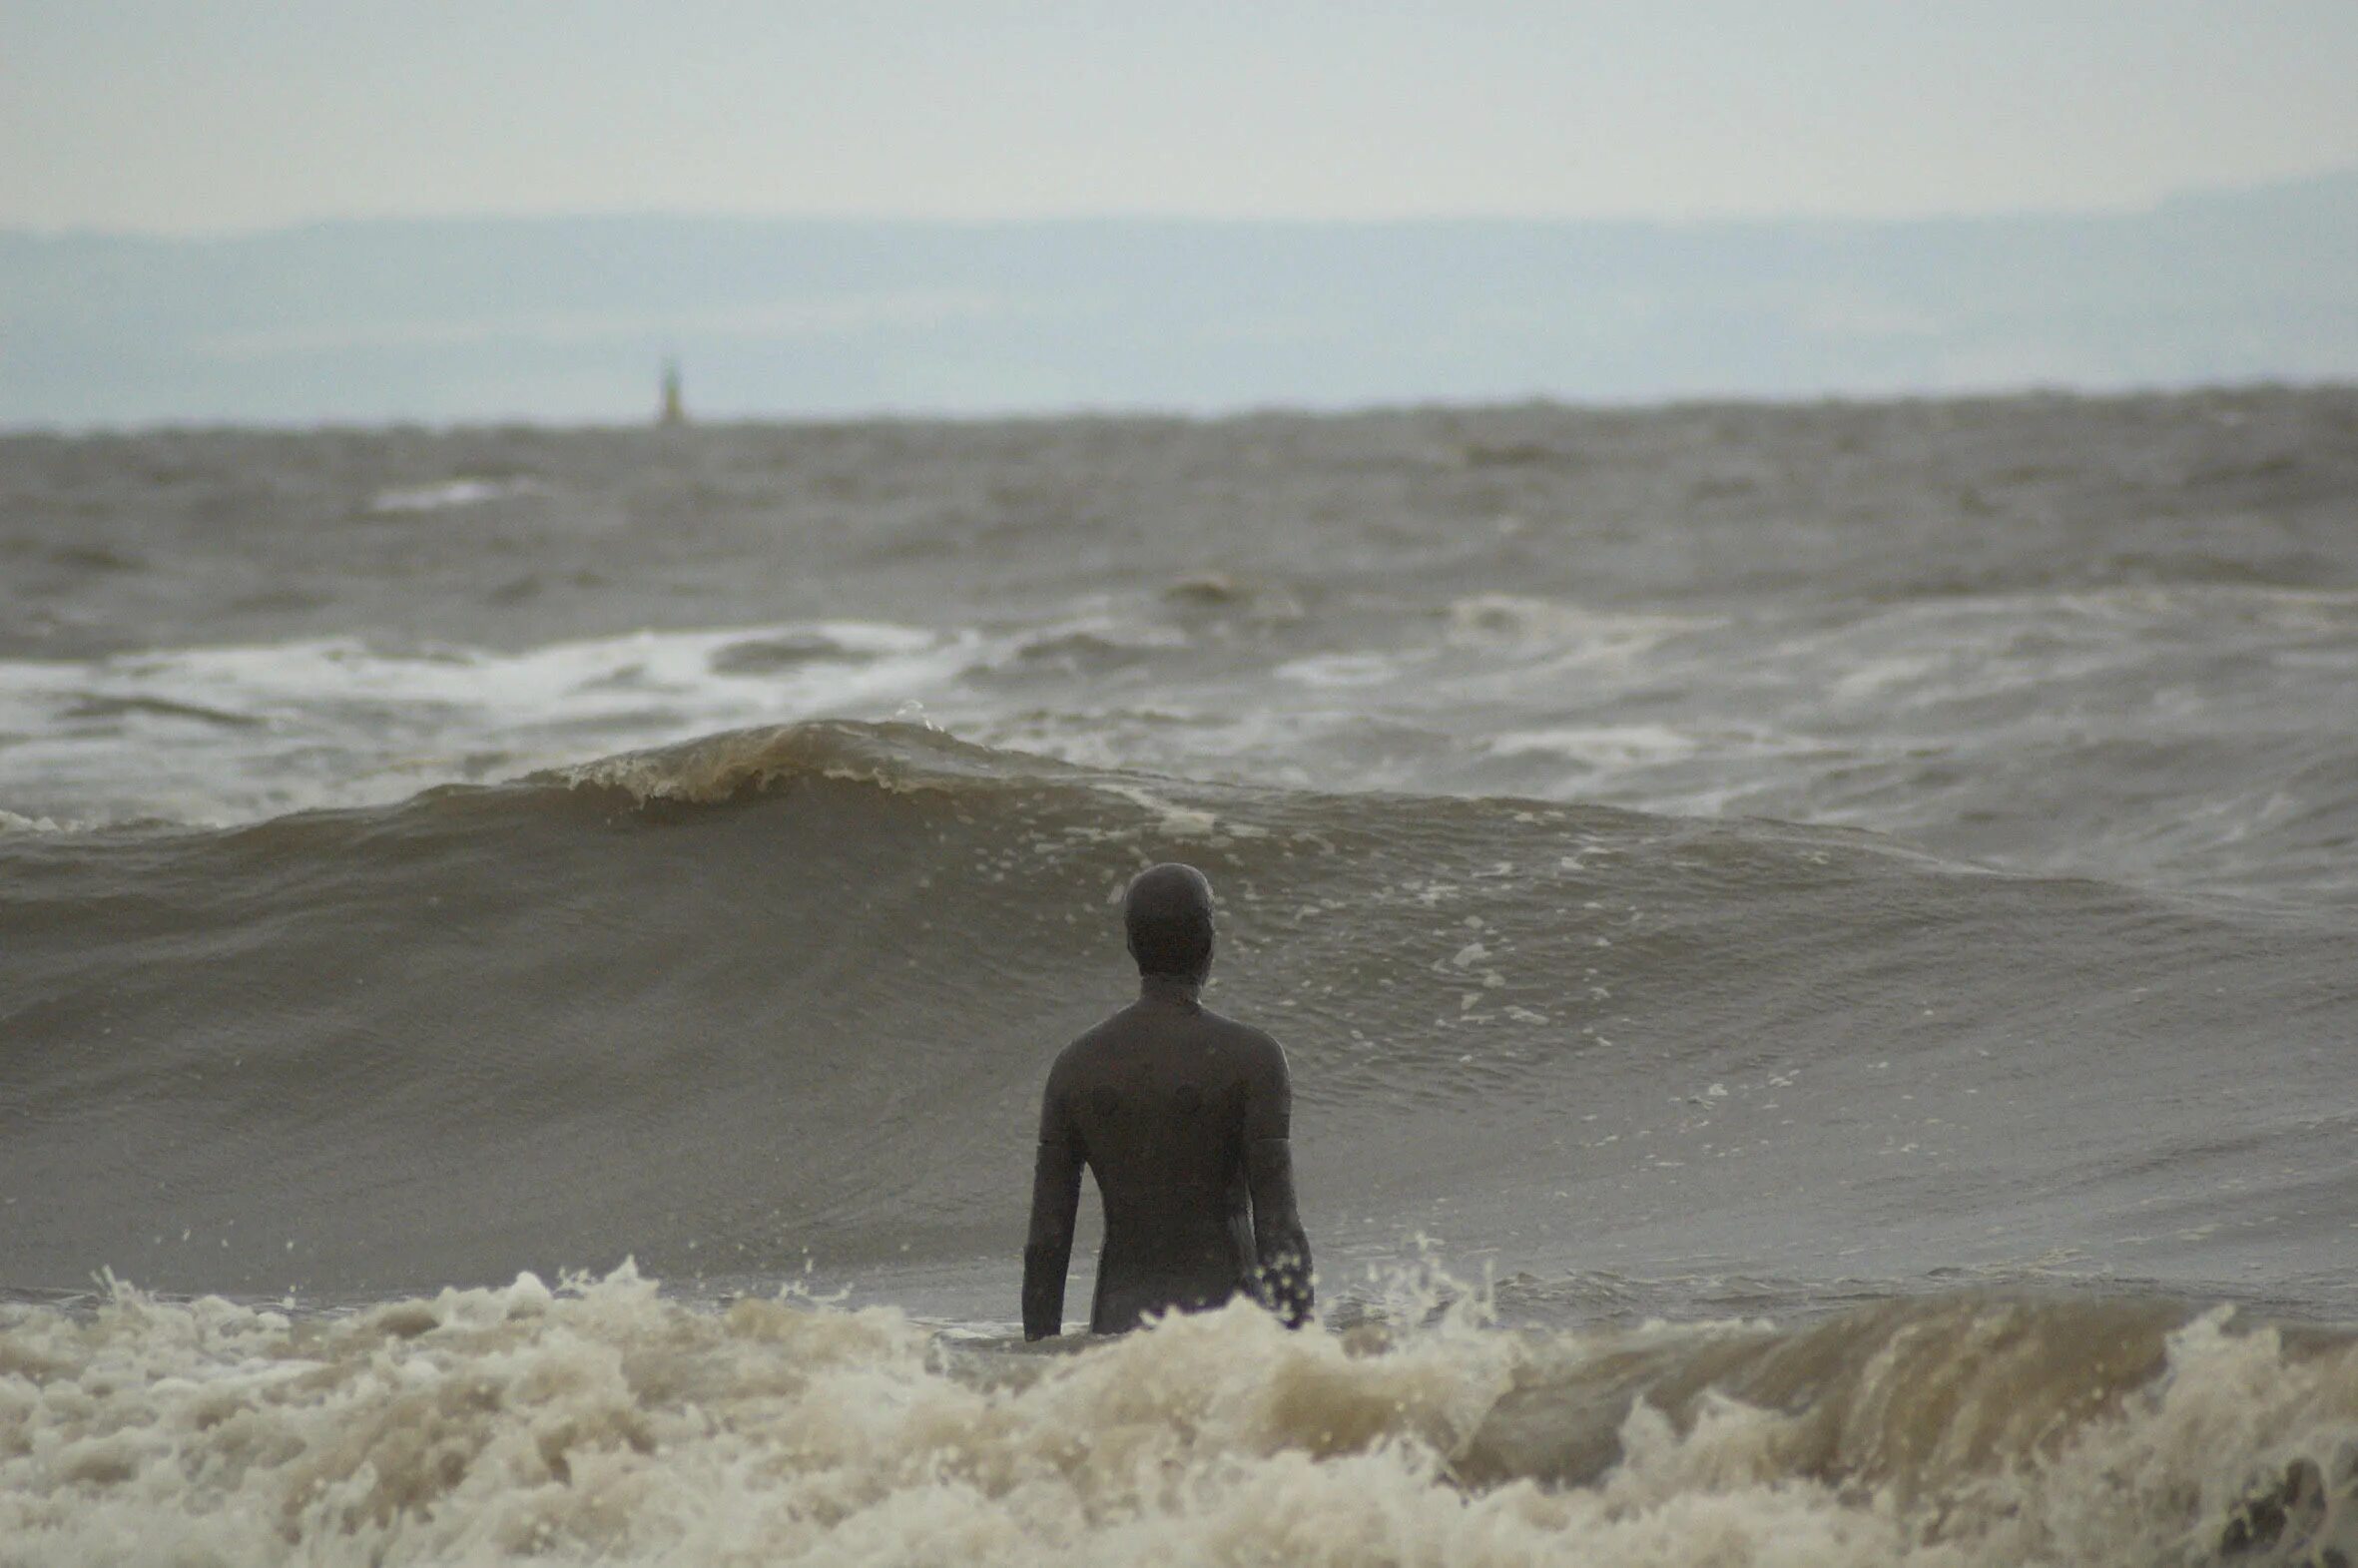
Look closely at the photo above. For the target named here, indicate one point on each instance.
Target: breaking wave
(601, 1422)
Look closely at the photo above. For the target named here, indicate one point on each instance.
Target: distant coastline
(569, 320)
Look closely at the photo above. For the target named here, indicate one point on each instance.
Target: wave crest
(739, 763)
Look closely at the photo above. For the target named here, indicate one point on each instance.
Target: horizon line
(1224, 413)
(845, 218)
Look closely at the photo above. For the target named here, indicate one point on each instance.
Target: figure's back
(1160, 1102)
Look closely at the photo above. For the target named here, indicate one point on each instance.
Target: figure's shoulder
(1086, 1048)
(1253, 1048)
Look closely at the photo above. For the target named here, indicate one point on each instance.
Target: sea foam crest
(898, 757)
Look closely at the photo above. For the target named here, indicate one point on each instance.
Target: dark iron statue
(1183, 1115)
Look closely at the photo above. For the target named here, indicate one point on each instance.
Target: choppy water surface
(1832, 924)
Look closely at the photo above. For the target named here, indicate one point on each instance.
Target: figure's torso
(1157, 1097)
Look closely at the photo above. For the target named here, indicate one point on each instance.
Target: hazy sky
(182, 115)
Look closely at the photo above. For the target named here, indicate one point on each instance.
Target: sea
(1817, 944)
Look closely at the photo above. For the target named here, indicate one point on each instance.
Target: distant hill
(569, 318)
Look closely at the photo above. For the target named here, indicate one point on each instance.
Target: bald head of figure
(1168, 911)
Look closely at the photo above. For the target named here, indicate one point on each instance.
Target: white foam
(1345, 669)
(1602, 745)
(214, 734)
(601, 1423)
(449, 495)
(1580, 631)
(1172, 818)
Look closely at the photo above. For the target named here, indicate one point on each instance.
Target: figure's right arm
(1285, 1279)
(1056, 1199)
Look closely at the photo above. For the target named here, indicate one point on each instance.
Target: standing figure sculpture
(1183, 1115)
